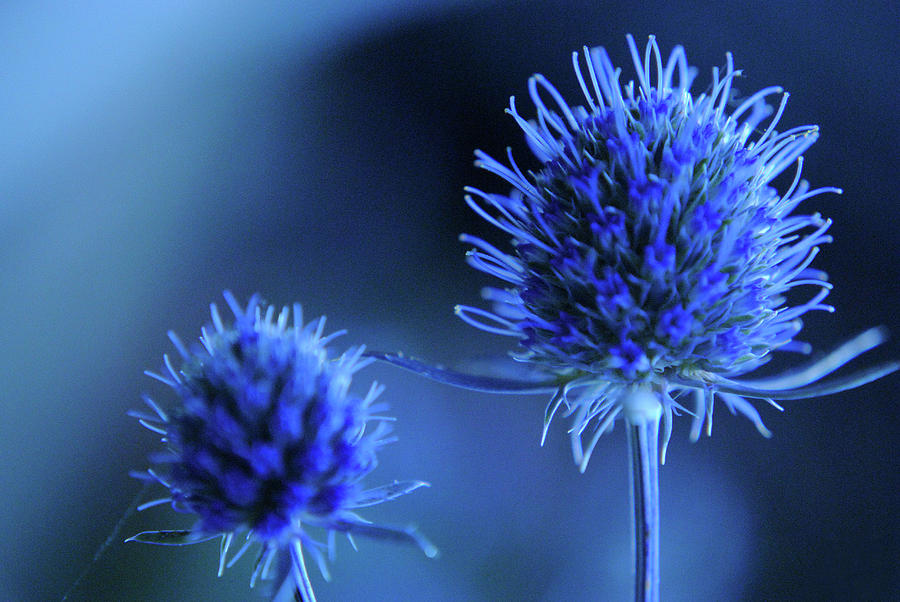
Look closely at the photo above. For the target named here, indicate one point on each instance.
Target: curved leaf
(400, 534)
(171, 538)
(815, 370)
(816, 389)
(541, 383)
(385, 493)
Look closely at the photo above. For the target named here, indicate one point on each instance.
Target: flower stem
(642, 411)
(303, 591)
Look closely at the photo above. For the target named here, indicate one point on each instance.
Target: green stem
(642, 411)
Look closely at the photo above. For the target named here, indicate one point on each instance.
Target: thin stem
(304, 590)
(131, 509)
(642, 411)
(288, 591)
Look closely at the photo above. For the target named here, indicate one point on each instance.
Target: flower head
(266, 437)
(649, 247)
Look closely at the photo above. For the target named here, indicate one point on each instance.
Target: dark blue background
(151, 157)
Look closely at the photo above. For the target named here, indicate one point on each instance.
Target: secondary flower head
(649, 247)
(267, 438)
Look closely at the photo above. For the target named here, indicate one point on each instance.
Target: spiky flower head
(649, 247)
(267, 438)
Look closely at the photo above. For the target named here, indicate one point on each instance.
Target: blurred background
(154, 154)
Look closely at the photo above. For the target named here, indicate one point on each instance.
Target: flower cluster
(650, 239)
(650, 248)
(652, 262)
(267, 438)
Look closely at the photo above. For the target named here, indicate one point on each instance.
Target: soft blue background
(154, 155)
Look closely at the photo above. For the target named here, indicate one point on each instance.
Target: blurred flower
(650, 250)
(266, 440)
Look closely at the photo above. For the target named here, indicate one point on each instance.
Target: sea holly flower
(649, 249)
(651, 259)
(266, 441)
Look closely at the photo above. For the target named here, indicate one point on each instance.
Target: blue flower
(267, 440)
(650, 250)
